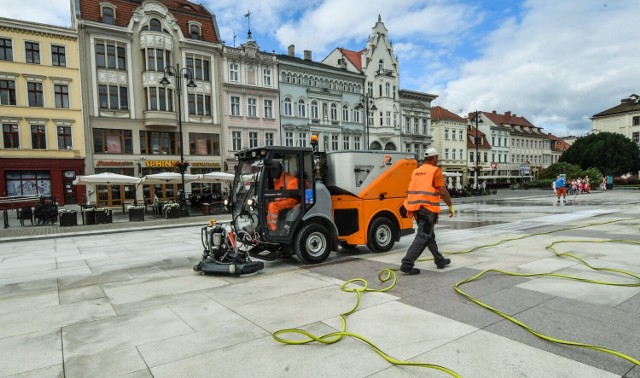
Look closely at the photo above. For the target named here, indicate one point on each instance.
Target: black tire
(312, 243)
(381, 235)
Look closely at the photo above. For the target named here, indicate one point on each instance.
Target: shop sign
(215, 164)
(160, 163)
(105, 163)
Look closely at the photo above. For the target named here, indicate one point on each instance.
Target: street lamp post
(370, 106)
(476, 141)
(180, 73)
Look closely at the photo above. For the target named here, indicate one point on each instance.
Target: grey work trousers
(425, 238)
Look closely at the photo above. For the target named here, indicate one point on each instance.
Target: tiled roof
(183, 10)
(355, 57)
(472, 132)
(557, 144)
(631, 104)
(439, 113)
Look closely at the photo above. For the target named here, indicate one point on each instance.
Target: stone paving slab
(112, 303)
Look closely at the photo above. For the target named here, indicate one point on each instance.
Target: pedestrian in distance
(561, 190)
(553, 186)
(426, 189)
(603, 184)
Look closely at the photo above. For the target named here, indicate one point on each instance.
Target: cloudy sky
(556, 63)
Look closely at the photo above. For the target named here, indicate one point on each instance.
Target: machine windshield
(248, 174)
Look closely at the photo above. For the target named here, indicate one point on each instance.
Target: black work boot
(442, 263)
(411, 270)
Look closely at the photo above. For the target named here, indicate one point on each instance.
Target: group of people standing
(580, 185)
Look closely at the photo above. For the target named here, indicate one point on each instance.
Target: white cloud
(557, 66)
(53, 12)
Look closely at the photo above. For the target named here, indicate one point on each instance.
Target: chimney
(508, 114)
(494, 112)
(307, 55)
(291, 51)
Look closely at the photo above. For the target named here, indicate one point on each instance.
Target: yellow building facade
(43, 143)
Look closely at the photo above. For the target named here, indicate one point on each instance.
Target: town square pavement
(122, 300)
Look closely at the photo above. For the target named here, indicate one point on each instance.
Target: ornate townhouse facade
(317, 98)
(518, 148)
(139, 62)
(415, 131)
(42, 148)
(250, 99)
(381, 97)
(623, 118)
(449, 132)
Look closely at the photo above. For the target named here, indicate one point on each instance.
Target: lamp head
(164, 81)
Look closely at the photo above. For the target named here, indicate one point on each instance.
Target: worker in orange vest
(285, 181)
(426, 188)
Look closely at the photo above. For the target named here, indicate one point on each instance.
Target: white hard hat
(431, 152)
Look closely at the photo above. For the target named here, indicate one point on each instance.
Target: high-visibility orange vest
(421, 192)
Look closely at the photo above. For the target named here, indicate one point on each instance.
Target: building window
(446, 134)
(302, 139)
(157, 98)
(199, 66)
(635, 137)
(388, 118)
(61, 94)
(6, 49)
(112, 141)
(387, 90)
(345, 113)
(370, 89)
(356, 142)
(635, 120)
(110, 55)
(32, 51)
(288, 138)
(235, 105)
(108, 15)
(268, 108)
(64, 138)
(236, 140)
(28, 183)
(334, 142)
(302, 109)
(252, 107)
(253, 139)
(36, 97)
(345, 142)
(204, 144)
(266, 77)
(200, 104)
(233, 72)
(334, 112)
(7, 92)
(159, 143)
(287, 107)
(157, 59)
(314, 110)
(38, 137)
(155, 25)
(113, 97)
(10, 136)
(446, 154)
(58, 56)
(269, 139)
(194, 29)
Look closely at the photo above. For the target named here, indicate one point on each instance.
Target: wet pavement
(98, 301)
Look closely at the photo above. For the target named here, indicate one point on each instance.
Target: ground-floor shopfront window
(115, 195)
(163, 192)
(28, 183)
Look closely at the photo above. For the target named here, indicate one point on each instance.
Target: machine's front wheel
(312, 243)
(381, 235)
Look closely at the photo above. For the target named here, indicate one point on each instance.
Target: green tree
(612, 153)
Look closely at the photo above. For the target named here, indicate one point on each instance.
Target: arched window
(194, 29)
(314, 110)
(387, 90)
(345, 113)
(334, 112)
(390, 147)
(155, 25)
(288, 110)
(302, 109)
(381, 65)
(108, 15)
(375, 146)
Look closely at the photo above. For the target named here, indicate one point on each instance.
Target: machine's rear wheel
(381, 235)
(312, 243)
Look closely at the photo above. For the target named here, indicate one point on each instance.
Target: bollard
(5, 217)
